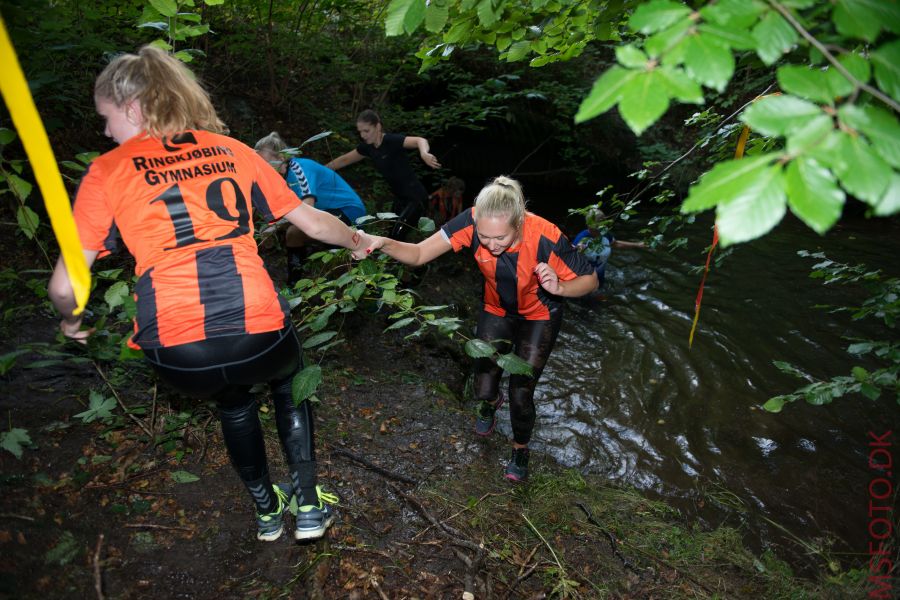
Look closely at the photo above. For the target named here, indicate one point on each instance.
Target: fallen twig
(154, 526)
(140, 423)
(373, 466)
(374, 582)
(12, 516)
(98, 576)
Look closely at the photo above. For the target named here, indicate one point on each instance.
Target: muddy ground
(100, 510)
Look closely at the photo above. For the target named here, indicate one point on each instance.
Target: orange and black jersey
(511, 287)
(183, 207)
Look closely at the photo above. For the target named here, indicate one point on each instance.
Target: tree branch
(837, 65)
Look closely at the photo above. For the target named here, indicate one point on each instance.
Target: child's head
(155, 92)
(595, 218)
(270, 148)
(502, 197)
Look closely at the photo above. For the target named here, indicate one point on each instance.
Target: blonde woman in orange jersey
(209, 320)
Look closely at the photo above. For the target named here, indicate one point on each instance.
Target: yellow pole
(34, 138)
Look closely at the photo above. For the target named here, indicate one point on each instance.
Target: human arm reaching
(624, 244)
(345, 159)
(327, 228)
(63, 297)
(573, 288)
(410, 254)
(410, 142)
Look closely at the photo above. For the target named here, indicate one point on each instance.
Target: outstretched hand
(431, 160)
(548, 278)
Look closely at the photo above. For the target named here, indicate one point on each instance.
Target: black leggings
(408, 211)
(532, 341)
(224, 369)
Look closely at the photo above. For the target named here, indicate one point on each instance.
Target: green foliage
(183, 477)
(14, 440)
(883, 304)
(825, 122)
(99, 409)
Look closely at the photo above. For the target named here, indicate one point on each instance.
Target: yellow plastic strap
(34, 138)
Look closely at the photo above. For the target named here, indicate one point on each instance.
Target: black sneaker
(487, 416)
(517, 467)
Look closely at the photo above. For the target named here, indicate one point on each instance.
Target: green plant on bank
(883, 304)
(170, 17)
(15, 440)
(836, 122)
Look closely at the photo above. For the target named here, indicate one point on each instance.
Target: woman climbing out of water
(528, 267)
(388, 154)
(209, 320)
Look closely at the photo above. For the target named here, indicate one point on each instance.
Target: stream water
(624, 396)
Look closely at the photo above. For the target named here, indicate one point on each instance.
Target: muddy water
(624, 396)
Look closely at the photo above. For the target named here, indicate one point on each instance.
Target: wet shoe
(313, 520)
(487, 416)
(517, 467)
(270, 526)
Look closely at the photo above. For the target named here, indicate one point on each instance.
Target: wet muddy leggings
(533, 341)
(224, 369)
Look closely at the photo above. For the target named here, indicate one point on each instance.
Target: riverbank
(93, 510)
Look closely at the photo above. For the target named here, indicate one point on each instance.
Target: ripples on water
(622, 395)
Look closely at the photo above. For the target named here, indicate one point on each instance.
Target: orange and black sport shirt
(511, 287)
(183, 207)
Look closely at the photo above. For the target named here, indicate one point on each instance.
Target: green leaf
(477, 348)
(631, 56)
(779, 115)
(8, 360)
(679, 85)
(116, 294)
(183, 477)
(668, 42)
(99, 408)
(749, 216)
(28, 221)
(305, 383)
(605, 93)
(811, 134)
(870, 391)
(856, 65)
(887, 68)
(321, 320)
(774, 36)
(19, 187)
(879, 125)
(513, 364)
(318, 339)
(167, 8)
(734, 14)
(813, 194)
(862, 172)
(859, 373)
(854, 18)
(396, 19)
(6, 136)
(890, 202)
(214, 2)
(739, 39)
(643, 101)
(65, 550)
(809, 83)
(436, 16)
(708, 61)
(426, 225)
(518, 51)
(728, 181)
(774, 405)
(401, 323)
(486, 15)
(655, 15)
(13, 440)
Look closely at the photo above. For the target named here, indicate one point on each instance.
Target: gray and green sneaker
(487, 416)
(270, 526)
(313, 519)
(517, 467)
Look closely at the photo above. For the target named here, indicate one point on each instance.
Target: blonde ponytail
(502, 197)
(171, 98)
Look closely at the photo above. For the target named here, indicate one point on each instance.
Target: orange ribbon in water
(738, 153)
